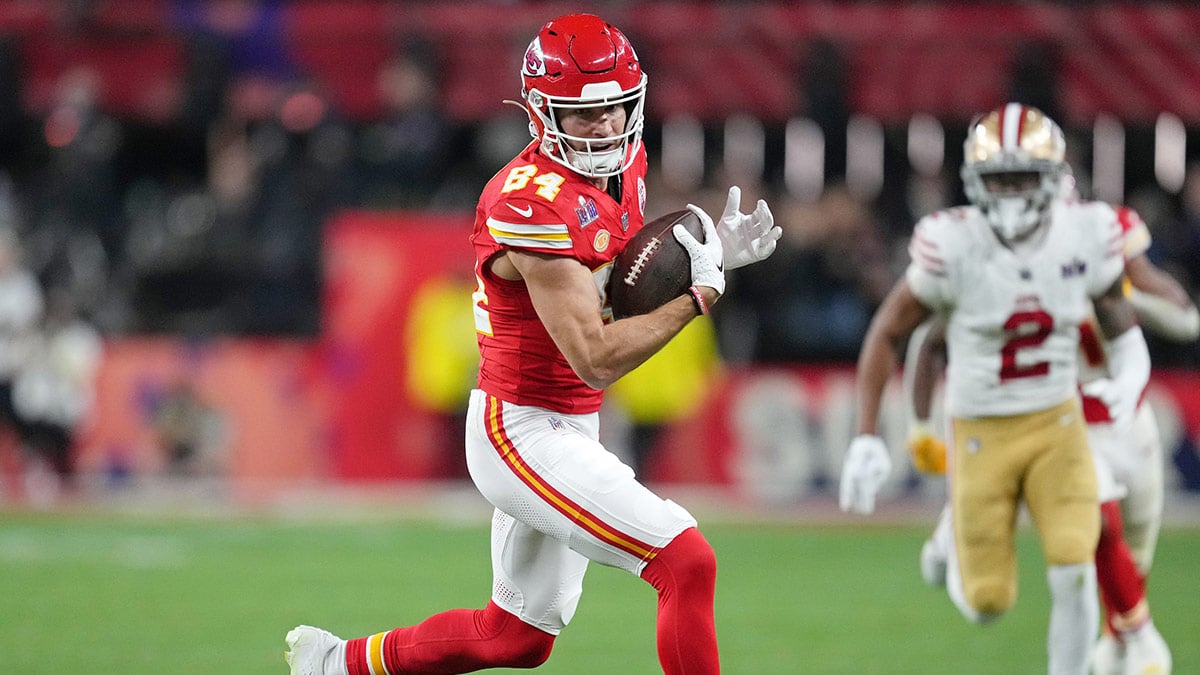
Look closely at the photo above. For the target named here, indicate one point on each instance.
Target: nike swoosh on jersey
(526, 212)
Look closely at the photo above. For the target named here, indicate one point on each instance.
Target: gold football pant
(1040, 458)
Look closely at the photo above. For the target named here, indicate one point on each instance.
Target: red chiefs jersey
(536, 204)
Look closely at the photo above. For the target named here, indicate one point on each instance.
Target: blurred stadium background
(261, 210)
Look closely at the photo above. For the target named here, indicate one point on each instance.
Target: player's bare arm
(1114, 313)
(564, 295)
(867, 465)
(1161, 302)
(925, 361)
(928, 363)
(1149, 278)
(895, 320)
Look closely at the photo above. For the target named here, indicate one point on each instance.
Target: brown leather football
(654, 267)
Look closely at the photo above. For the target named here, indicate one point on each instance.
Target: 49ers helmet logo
(535, 63)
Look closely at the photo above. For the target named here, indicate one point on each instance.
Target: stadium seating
(708, 59)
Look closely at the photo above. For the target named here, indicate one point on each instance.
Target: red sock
(1122, 586)
(457, 641)
(685, 575)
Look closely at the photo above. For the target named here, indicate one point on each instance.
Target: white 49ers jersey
(1013, 316)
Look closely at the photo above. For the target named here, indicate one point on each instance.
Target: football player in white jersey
(1129, 461)
(1013, 274)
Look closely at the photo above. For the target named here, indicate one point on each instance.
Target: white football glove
(866, 467)
(746, 237)
(1129, 371)
(1121, 402)
(707, 258)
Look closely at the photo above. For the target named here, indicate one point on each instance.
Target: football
(654, 267)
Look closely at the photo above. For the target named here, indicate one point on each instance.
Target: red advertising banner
(255, 409)
(393, 317)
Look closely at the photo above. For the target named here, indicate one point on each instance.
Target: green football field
(215, 595)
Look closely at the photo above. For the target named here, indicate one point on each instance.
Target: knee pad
(687, 562)
(1072, 543)
(1070, 536)
(990, 599)
(1071, 550)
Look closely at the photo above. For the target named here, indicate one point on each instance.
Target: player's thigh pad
(1108, 488)
(1131, 452)
(1142, 507)
(1060, 484)
(985, 492)
(534, 576)
(550, 472)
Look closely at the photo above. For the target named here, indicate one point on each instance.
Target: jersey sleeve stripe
(1137, 242)
(530, 236)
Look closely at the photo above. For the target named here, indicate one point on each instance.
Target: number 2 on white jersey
(1032, 328)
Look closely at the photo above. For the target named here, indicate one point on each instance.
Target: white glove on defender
(707, 257)
(747, 238)
(1129, 371)
(866, 467)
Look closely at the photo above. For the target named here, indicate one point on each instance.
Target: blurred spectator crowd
(197, 206)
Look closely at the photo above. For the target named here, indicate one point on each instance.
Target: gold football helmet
(1013, 166)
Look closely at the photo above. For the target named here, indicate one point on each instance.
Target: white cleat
(935, 552)
(1108, 656)
(1146, 652)
(313, 651)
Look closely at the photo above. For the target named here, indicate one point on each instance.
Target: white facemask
(1013, 217)
(592, 163)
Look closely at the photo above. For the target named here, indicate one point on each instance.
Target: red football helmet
(579, 61)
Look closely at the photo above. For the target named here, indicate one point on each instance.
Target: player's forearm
(1168, 319)
(875, 365)
(627, 343)
(893, 323)
(926, 360)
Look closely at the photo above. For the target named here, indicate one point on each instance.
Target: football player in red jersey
(547, 229)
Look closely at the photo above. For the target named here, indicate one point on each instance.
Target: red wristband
(698, 299)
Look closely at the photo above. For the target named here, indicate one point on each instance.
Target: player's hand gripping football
(866, 467)
(746, 237)
(707, 258)
(927, 450)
